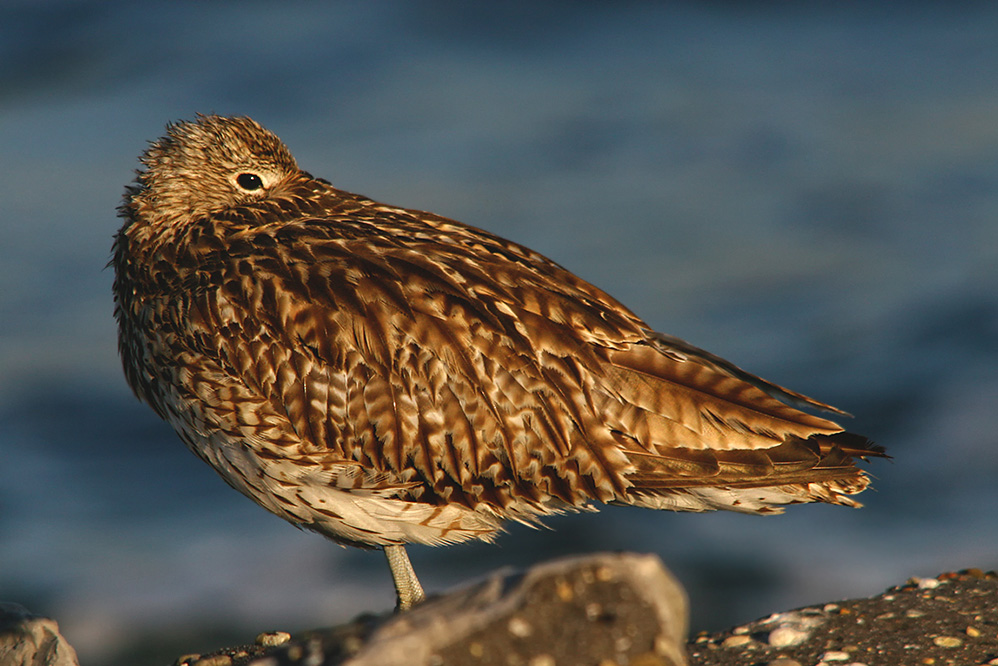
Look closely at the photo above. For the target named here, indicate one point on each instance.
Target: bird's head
(206, 166)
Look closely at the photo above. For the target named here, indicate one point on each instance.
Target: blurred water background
(809, 189)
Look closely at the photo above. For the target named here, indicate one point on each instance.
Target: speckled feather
(385, 376)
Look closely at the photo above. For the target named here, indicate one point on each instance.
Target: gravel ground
(951, 620)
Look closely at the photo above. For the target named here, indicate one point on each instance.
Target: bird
(386, 376)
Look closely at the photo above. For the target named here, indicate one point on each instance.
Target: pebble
(835, 655)
(543, 660)
(519, 627)
(736, 641)
(973, 632)
(564, 591)
(947, 641)
(787, 636)
(784, 661)
(216, 660)
(801, 619)
(926, 583)
(273, 638)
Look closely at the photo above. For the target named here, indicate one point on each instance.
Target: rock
(272, 638)
(793, 628)
(599, 609)
(787, 636)
(29, 640)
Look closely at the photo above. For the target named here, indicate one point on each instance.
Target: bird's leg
(407, 588)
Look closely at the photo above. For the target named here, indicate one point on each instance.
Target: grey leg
(407, 586)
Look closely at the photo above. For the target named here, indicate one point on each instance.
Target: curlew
(386, 376)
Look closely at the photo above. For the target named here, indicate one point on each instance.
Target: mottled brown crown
(385, 375)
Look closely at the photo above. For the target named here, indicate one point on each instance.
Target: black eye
(249, 181)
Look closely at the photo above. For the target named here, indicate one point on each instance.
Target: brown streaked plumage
(387, 376)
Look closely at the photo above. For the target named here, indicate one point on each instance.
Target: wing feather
(486, 374)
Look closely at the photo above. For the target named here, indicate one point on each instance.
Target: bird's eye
(249, 181)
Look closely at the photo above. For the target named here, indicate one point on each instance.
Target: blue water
(812, 193)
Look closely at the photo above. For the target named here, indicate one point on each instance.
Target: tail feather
(699, 433)
(821, 468)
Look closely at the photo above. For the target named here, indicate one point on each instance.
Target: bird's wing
(479, 371)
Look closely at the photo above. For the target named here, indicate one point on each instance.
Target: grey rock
(793, 627)
(607, 608)
(30, 640)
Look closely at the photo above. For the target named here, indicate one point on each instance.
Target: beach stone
(605, 608)
(787, 636)
(27, 639)
(273, 638)
(947, 641)
(737, 640)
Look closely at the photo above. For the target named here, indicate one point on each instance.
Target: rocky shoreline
(606, 610)
(950, 620)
